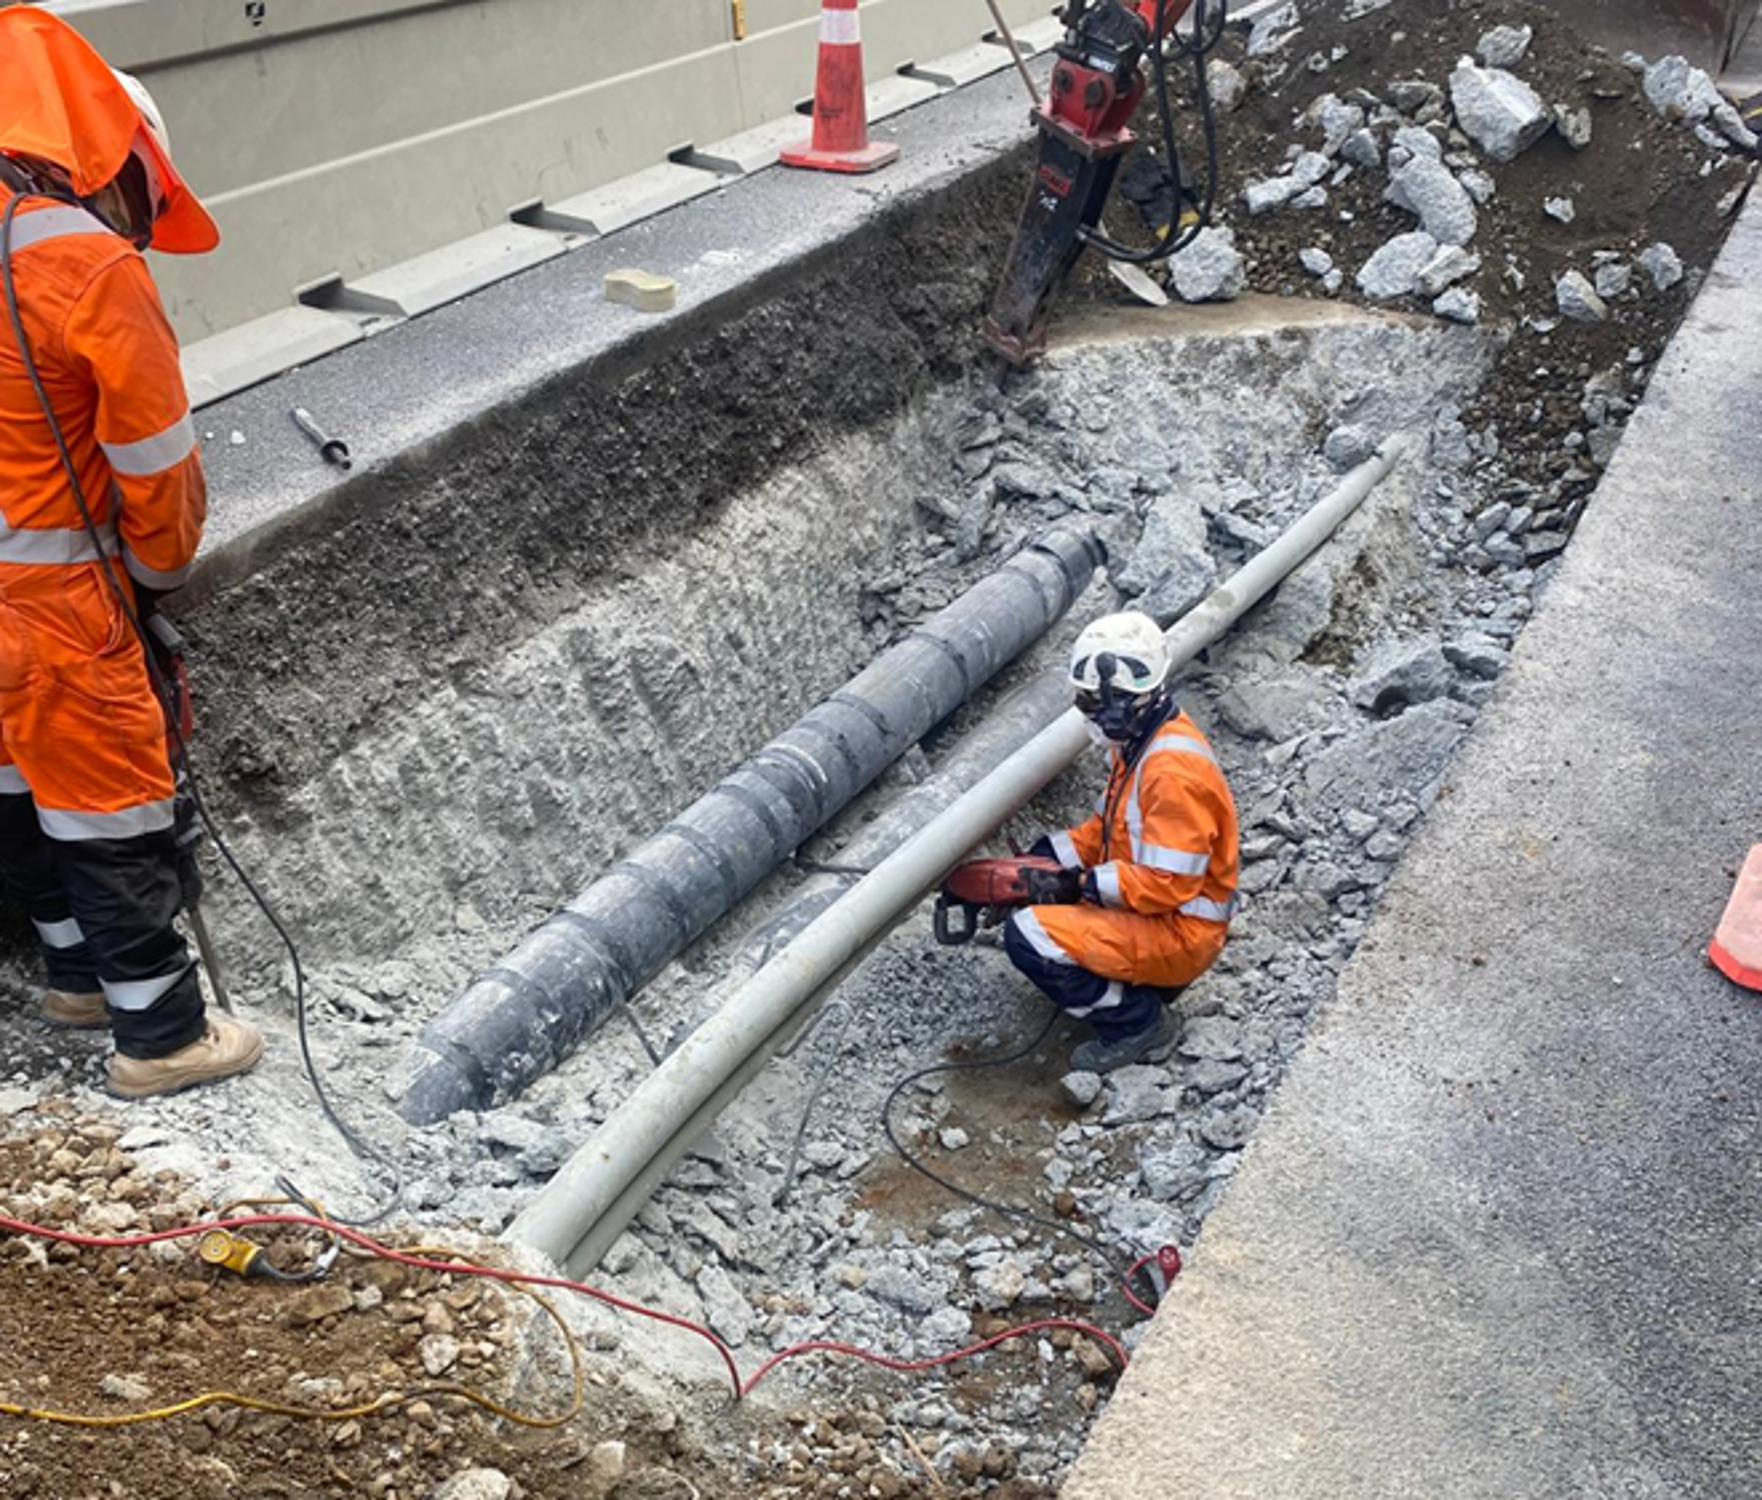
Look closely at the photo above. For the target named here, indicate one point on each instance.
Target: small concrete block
(457, 270)
(643, 290)
(226, 363)
(629, 200)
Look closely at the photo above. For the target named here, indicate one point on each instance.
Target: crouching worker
(1141, 904)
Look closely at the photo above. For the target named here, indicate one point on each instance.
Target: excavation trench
(430, 726)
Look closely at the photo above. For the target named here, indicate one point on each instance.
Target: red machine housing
(982, 890)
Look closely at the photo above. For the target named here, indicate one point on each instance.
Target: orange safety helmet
(61, 103)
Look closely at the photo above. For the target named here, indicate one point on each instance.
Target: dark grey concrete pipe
(519, 1020)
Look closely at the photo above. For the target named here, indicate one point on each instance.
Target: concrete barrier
(337, 138)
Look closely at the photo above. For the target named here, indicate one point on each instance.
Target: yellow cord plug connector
(229, 1252)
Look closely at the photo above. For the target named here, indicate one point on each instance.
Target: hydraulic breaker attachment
(1097, 84)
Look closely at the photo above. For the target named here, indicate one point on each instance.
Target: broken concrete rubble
(1395, 269)
(1428, 190)
(1497, 110)
(1661, 263)
(1458, 306)
(1505, 46)
(1578, 299)
(1211, 269)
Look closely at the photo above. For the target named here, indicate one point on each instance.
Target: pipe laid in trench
(1015, 721)
(576, 1217)
(519, 1020)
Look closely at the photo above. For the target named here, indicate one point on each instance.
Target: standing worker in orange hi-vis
(102, 502)
(1141, 904)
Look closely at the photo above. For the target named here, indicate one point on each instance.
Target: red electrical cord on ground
(1169, 1259)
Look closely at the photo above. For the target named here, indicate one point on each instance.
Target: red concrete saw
(983, 892)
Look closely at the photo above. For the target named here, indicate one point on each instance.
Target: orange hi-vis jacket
(109, 362)
(79, 724)
(1162, 847)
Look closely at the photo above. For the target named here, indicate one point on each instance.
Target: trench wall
(532, 639)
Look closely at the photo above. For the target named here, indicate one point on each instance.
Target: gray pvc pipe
(519, 1020)
(577, 1215)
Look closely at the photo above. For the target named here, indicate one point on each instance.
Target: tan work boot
(225, 1049)
(75, 1012)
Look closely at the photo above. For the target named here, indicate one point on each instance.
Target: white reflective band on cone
(82, 827)
(137, 995)
(840, 28)
(63, 934)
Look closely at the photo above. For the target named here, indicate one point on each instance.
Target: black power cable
(1117, 1265)
(1199, 49)
(363, 1149)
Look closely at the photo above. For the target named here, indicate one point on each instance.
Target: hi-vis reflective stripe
(152, 578)
(60, 935)
(1107, 885)
(53, 224)
(137, 995)
(1112, 998)
(1212, 911)
(153, 455)
(1174, 744)
(12, 782)
(54, 546)
(1039, 939)
(1175, 861)
(840, 28)
(1065, 848)
(82, 827)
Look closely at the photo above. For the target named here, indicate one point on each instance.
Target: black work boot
(1102, 1055)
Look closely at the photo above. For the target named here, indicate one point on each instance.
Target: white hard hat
(150, 115)
(181, 225)
(1136, 644)
(154, 124)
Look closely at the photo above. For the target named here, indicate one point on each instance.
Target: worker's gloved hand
(1054, 887)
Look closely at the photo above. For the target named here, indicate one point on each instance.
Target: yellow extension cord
(390, 1401)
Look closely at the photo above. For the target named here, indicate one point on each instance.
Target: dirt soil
(101, 1336)
(1641, 180)
(106, 1333)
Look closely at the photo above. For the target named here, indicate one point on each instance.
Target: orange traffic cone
(841, 112)
(1737, 950)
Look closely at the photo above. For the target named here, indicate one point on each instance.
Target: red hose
(742, 1387)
